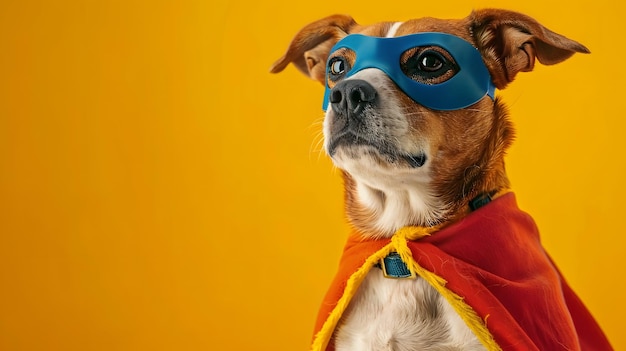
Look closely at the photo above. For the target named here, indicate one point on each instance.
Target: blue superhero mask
(469, 85)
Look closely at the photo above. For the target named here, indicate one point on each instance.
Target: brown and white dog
(404, 164)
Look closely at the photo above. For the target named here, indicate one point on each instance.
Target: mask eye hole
(429, 65)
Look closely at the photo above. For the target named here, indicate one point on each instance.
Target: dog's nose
(352, 96)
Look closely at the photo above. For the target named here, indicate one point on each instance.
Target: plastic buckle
(393, 267)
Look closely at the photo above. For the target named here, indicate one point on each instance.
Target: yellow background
(159, 190)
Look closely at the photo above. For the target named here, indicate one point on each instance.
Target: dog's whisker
(477, 110)
(318, 138)
(317, 145)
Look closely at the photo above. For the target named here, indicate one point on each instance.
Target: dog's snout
(352, 96)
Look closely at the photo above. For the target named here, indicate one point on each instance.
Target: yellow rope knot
(399, 243)
(413, 232)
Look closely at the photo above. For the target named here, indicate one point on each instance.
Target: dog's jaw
(384, 195)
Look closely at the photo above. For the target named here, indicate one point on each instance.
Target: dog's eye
(430, 66)
(430, 62)
(337, 67)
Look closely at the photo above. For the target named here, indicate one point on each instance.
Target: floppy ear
(310, 48)
(510, 42)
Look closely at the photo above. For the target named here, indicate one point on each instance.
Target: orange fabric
(493, 258)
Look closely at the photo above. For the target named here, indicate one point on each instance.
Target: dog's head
(411, 116)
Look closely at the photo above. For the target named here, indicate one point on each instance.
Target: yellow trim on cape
(399, 244)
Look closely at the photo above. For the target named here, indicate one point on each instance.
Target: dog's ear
(510, 42)
(310, 48)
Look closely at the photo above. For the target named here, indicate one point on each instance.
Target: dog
(413, 123)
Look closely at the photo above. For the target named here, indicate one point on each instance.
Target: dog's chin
(351, 147)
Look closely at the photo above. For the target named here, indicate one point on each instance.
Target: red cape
(492, 261)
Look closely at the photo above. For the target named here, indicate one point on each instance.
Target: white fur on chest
(401, 315)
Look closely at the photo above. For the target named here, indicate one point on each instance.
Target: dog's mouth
(355, 144)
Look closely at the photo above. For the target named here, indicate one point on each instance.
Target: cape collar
(491, 268)
(392, 265)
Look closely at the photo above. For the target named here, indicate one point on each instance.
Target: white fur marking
(392, 31)
(401, 315)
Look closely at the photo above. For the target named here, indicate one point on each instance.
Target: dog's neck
(379, 209)
(380, 203)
